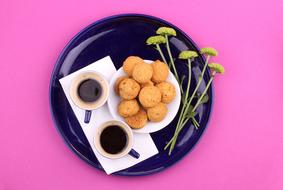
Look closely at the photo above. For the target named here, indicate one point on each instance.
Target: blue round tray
(121, 36)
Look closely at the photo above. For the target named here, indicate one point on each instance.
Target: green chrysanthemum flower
(188, 54)
(209, 51)
(153, 40)
(216, 67)
(166, 31)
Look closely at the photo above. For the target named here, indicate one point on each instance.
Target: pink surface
(241, 149)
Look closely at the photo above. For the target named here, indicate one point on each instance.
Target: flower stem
(197, 86)
(182, 118)
(204, 92)
(189, 78)
(186, 97)
(161, 54)
(171, 59)
(186, 120)
(181, 87)
(199, 81)
(195, 123)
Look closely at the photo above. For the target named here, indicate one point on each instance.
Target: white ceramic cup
(129, 143)
(89, 106)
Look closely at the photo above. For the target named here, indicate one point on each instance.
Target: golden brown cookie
(138, 120)
(128, 108)
(130, 63)
(142, 73)
(129, 89)
(116, 86)
(149, 96)
(160, 71)
(157, 113)
(149, 83)
(167, 90)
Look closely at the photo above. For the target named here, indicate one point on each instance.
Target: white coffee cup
(127, 149)
(88, 106)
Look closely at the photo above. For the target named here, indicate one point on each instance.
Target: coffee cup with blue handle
(89, 91)
(114, 139)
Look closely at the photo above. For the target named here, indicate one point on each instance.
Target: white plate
(151, 127)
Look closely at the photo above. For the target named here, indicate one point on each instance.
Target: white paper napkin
(143, 143)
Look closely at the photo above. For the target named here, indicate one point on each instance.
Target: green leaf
(204, 99)
(190, 113)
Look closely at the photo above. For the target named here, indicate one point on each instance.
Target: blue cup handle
(134, 153)
(87, 116)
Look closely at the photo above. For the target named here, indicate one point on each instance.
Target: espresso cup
(89, 91)
(114, 139)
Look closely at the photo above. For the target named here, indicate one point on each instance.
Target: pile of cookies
(144, 91)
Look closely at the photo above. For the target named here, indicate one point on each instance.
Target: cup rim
(85, 76)
(127, 130)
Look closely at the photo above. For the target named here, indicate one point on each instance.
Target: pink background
(243, 145)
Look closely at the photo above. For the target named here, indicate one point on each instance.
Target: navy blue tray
(121, 36)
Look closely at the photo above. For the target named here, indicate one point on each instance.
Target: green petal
(166, 31)
(155, 40)
(188, 54)
(216, 67)
(209, 51)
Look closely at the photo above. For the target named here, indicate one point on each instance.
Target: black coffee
(89, 90)
(113, 139)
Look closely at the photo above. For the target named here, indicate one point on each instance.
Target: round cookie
(128, 108)
(142, 73)
(167, 90)
(160, 71)
(116, 86)
(149, 83)
(157, 113)
(129, 89)
(130, 63)
(138, 120)
(149, 96)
